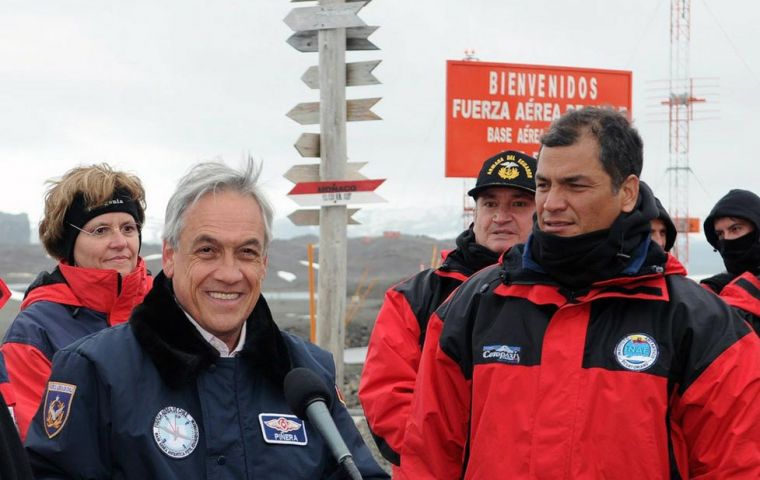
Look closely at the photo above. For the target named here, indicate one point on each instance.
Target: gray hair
(213, 177)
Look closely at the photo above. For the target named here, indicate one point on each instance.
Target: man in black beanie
(503, 217)
(732, 229)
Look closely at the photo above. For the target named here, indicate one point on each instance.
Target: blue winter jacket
(152, 400)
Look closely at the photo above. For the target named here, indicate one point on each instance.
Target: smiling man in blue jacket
(192, 386)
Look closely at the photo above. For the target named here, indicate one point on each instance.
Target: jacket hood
(670, 227)
(736, 203)
(5, 293)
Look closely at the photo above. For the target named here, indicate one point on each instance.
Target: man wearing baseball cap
(503, 217)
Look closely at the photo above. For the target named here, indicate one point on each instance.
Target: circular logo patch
(636, 352)
(175, 432)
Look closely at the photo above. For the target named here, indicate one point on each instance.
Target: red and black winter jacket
(5, 387)
(645, 374)
(59, 308)
(390, 369)
(743, 293)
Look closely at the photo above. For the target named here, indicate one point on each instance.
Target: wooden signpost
(331, 192)
(310, 217)
(331, 28)
(310, 172)
(339, 15)
(357, 73)
(356, 110)
(356, 39)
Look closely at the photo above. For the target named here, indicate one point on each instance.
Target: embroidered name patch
(502, 353)
(636, 352)
(58, 398)
(283, 429)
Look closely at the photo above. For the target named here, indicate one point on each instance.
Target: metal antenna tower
(680, 103)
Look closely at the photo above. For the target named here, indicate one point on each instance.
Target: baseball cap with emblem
(506, 169)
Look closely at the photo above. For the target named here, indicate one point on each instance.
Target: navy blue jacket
(104, 412)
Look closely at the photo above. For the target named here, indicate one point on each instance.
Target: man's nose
(228, 269)
(553, 200)
(502, 215)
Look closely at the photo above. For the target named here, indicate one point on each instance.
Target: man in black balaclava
(503, 217)
(732, 229)
(587, 342)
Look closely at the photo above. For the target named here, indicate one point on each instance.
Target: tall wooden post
(331, 290)
(330, 29)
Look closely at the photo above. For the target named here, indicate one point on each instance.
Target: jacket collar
(179, 351)
(648, 282)
(101, 290)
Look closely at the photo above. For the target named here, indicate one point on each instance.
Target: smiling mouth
(223, 295)
(118, 259)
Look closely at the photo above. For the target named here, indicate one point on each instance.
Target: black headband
(78, 214)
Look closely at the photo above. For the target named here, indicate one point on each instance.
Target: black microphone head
(302, 387)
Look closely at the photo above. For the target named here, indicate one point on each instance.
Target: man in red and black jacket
(503, 217)
(587, 354)
(732, 229)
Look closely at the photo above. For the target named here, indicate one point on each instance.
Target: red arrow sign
(333, 186)
(338, 192)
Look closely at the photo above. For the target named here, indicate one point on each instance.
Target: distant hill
(14, 229)
(385, 261)
(381, 260)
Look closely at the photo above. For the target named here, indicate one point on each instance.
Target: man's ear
(629, 192)
(167, 252)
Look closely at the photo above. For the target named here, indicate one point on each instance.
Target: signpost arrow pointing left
(357, 110)
(310, 172)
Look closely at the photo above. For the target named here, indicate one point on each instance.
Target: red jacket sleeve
(390, 370)
(28, 371)
(719, 418)
(737, 295)
(436, 433)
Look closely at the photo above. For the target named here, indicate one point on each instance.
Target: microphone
(309, 398)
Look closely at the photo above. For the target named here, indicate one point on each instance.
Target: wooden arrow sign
(347, 1)
(310, 172)
(356, 39)
(356, 111)
(339, 192)
(308, 144)
(357, 73)
(322, 17)
(305, 217)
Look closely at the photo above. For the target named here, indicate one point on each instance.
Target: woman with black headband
(91, 225)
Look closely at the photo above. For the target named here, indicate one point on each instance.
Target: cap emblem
(509, 171)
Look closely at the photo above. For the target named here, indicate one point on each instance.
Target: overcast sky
(153, 87)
